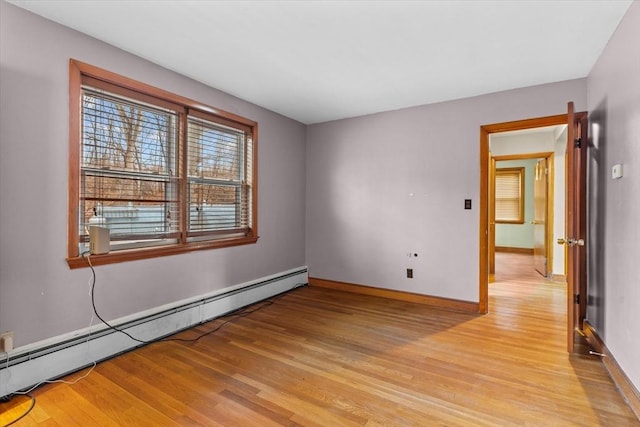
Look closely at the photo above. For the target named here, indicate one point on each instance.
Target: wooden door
(540, 203)
(492, 218)
(576, 222)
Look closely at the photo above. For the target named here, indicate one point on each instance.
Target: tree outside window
(163, 173)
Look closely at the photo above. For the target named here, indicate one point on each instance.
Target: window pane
(121, 135)
(215, 151)
(217, 213)
(139, 207)
(127, 168)
(217, 207)
(218, 193)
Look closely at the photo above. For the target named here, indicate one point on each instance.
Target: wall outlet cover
(616, 171)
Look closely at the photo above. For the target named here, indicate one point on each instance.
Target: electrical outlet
(409, 273)
(6, 341)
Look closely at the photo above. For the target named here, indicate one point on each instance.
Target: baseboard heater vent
(62, 355)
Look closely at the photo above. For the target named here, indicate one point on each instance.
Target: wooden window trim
(80, 73)
(521, 172)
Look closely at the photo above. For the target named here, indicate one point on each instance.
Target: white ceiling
(316, 61)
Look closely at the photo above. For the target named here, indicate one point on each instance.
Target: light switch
(616, 171)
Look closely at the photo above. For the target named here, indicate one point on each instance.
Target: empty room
(319, 213)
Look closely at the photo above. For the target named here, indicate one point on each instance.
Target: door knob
(570, 241)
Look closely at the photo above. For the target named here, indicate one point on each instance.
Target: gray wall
(614, 205)
(384, 185)
(378, 187)
(40, 297)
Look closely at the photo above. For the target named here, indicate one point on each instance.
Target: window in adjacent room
(510, 195)
(162, 173)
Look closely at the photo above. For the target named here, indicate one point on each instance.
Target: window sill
(137, 254)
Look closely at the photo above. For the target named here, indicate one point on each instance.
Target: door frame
(485, 164)
(549, 156)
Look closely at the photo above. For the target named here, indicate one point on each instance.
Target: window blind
(128, 168)
(164, 173)
(509, 195)
(218, 183)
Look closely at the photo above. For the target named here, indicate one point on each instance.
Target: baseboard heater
(60, 356)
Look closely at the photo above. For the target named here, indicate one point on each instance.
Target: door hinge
(577, 143)
(577, 298)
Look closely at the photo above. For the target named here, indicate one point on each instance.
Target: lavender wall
(384, 185)
(39, 296)
(614, 205)
(378, 187)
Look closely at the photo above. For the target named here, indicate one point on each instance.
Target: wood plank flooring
(319, 357)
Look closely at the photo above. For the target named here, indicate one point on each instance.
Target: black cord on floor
(33, 403)
(241, 312)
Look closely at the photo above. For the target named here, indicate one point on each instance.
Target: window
(510, 195)
(163, 173)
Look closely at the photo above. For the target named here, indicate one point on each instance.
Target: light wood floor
(319, 357)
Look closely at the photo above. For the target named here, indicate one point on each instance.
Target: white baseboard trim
(26, 366)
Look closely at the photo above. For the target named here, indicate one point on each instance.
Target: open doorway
(527, 192)
(574, 243)
(487, 220)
